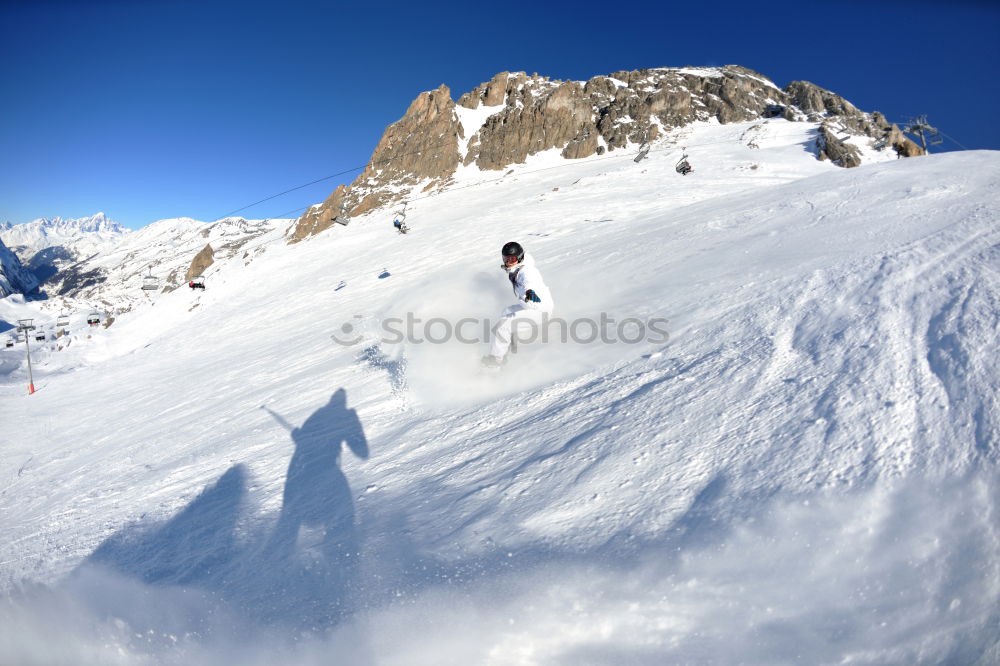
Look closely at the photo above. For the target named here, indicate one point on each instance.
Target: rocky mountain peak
(514, 116)
(420, 146)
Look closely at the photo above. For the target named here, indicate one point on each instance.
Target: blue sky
(150, 110)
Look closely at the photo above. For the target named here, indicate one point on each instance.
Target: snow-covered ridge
(43, 232)
(47, 246)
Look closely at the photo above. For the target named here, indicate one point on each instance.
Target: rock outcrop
(200, 263)
(421, 146)
(533, 114)
(903, 145)
(831, 147)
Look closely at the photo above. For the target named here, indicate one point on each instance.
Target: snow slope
(805, 472)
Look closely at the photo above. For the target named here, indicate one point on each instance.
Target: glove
(530, 295)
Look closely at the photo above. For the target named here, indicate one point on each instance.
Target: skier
(534, 301)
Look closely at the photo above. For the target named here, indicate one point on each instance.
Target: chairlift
(94, 318)
(40, 336)
(643, 147)
(399, 221)
(197, 282)
(9, 343)
(683, 166)
(150, 282)
(63, 320)
(341, 217)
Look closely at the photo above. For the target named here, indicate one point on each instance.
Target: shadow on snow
(300, 576)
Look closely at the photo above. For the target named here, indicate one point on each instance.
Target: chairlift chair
(9, 343)
(399, 220)
(40, 336)
(643, 148)
(150, 282)
(643, 151)
(94, 318)
(341, 217)
(197, 282)
(683, 166)
(63, 320)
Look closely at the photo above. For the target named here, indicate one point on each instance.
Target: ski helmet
(513, 249)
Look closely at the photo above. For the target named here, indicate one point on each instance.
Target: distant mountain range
(97, 261)
(45, 247)
(80, 236)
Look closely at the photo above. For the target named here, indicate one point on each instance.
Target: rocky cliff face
(14, 278)
(200, 263)
(421, 146)
(532, 114)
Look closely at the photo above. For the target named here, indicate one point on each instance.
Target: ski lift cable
(341, 173)
(279, 194)
(443, 144)
(447, 142)
(558, 166)
(952, 140)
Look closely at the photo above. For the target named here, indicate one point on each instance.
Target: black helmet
(513, 249)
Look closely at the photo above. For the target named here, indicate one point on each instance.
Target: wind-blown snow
(806, 472)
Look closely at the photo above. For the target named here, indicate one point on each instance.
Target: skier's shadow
(188, 550)
(303, 574)
(315, 539)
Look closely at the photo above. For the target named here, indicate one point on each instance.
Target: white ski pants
(518, 320)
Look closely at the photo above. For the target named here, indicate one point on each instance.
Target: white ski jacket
(525, 276)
